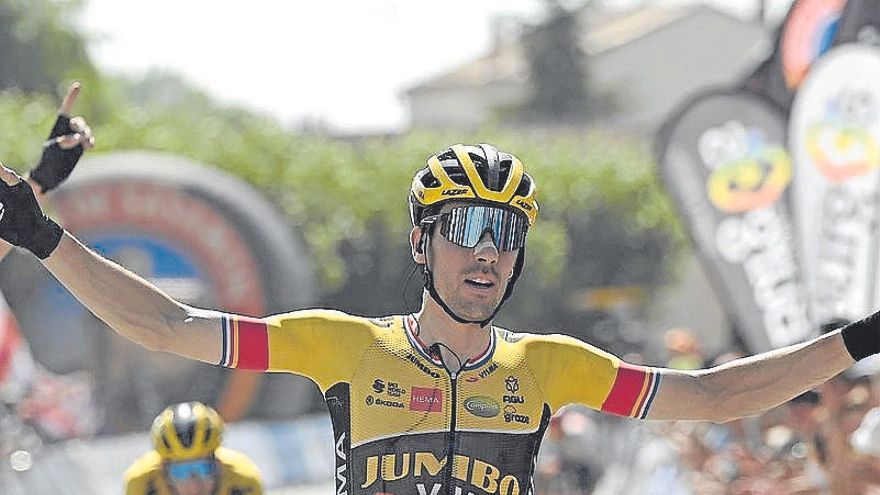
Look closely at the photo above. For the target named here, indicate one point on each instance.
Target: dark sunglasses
(465, 225)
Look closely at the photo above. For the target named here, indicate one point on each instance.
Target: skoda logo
(484, 407)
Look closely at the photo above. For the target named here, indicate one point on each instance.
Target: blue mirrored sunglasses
(199, 468)
(465, 225)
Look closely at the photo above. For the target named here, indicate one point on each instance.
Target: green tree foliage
(39, 46)
(558, 69)
(603, 221)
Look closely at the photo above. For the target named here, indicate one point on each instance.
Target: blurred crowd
(825, 441)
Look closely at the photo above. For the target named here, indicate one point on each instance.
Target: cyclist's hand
(22, 222)
(69, 138)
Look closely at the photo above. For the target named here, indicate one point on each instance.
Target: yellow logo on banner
(751, 183)
(842, 152)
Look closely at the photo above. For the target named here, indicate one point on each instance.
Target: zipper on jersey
(450, 454)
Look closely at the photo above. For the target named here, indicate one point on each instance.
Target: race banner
(807, 33)
(724, 161)
(809, 28)
(834, 132)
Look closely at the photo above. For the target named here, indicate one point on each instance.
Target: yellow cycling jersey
(403, 424)
(237, 475)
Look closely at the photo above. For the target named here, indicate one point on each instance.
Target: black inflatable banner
(724, 161)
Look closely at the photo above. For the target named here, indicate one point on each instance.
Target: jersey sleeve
(239, 473)
(322, 345)
(573, 372)
(141, 475)
(136, 485)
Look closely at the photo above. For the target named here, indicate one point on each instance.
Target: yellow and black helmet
(187, 431)
(477, 173)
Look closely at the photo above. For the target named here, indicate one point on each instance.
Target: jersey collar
(409, 326)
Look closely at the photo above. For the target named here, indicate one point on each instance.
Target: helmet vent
(524, 187)
(493, 167)
(186, 434)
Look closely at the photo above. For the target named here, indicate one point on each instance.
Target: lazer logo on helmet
(454, 192)
(423, 465)
(522, 204)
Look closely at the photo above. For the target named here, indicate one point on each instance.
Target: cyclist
(439, 401)
(188, 458)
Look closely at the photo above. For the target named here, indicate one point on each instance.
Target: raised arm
(751, 385)
(129, 304)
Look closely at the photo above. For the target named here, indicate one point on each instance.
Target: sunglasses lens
(201, 468)
(465, 225)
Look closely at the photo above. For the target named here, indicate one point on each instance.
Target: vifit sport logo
(747, 172)
(426, 399)
(841, 144)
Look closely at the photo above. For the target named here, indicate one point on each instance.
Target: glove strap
(23, 224)
(45, 239)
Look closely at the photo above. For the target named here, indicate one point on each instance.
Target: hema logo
(426, 399)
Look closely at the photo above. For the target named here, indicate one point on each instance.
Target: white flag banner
(834, 138)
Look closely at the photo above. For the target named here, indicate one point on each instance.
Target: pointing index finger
(69, 99)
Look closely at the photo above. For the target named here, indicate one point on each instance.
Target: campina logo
(482, 406)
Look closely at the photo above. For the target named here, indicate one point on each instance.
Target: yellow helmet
(188, 430)
(478, 173)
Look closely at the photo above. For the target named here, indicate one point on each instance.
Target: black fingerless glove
(56, 164)
(23, 223)
(862, 338)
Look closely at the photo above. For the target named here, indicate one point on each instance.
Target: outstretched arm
(132, 306)
(129, 304)
(751, 385)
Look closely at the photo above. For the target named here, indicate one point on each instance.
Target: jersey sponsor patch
(426, 399)
(245, 343)
(633, 391)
